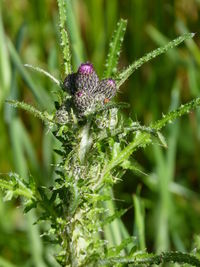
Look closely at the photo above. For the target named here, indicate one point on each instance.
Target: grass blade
(112, 231)
(36, 245)
(39, 93)
(139, 221)
(78, 53)
(5, 263)
(5, 71)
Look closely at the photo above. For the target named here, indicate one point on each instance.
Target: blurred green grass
(166, 201)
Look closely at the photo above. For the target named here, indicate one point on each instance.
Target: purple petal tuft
(86, 68)
(87, 79)
(111, 82)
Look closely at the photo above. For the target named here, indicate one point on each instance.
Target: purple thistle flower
(86, 68)
(86, 78)
(87, 90)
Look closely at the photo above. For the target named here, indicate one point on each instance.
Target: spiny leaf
(123, 245)
(162, 139)
(62, 5)
(133, 166)
(117, 214)
(114, 50)
(16, 185)
(141, 139)
(149, 259)
(44, 72)
(109, 105)
(59, 152)
(137, 127)
(183, 109)
(44, 116)
(29, 205)
(124, 75)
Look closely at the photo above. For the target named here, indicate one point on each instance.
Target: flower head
(69, 83)
(107, 87)
(87, 78)
(87, 90)
(82, 101)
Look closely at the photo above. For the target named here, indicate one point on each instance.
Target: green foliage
(139, 220)
(5, 71)
(39, 93)
(43, 72)
(64, 36)
(16, 186)
(124, 75)
(95, 151)
(114, 49)
(149, 259)
(183, 109)
(44, 116)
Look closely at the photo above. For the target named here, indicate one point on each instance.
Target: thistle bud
(69, 83)
(82, 100)
(107, 87)
(86, 79)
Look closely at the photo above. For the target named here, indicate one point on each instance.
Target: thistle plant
(96, 146)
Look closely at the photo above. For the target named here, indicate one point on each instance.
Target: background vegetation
(161, 219)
